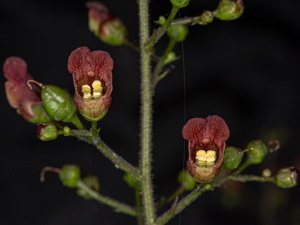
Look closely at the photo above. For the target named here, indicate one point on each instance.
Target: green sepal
(257, 151)
(40, 115)
(180, 3)
(232, 158)
(287, 177)
(58, 103)
(229, 9)
(47, 131)
(186, 180)
(178, 32)
(92, 182)
(113, 32)
(130, 181)
(70, 175)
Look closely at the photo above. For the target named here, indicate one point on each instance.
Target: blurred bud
(170, 58)
(161, 20)
(28, 103)
(287, 177)
(229, 9)
(92, 182)
(66, 131)
(58, 103)
(180, 3)
(113, 32)
(257, 152)
(207, 17)
(47, 131)
(266, 173)
(178, 32)
(130, 181)
(105, 25)
(92, 78)
(70, 175)
(232, 158)
(187, 181)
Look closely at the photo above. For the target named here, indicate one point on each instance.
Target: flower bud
(58, 103)
(178, 32)
(70, 175)
(105, 25)
(229, 9)
(206, 139)
(28, 103)
(287, 177)
(47, 131)
(257, 152)
(161, 20)
(232, 158)
(130, 181)
(266, 173)
(92, 79)
(207, 17)
(186, 180)
(180, 3)
(92, 182)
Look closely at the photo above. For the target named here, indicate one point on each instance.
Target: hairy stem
(118, 206)
(146, 116)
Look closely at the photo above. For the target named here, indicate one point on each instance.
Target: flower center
(206, 158)
(97, 90)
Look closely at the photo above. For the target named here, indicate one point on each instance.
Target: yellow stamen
(96, 95)
(87, 95)
(97, 86)
(86, 88)
(205, 158)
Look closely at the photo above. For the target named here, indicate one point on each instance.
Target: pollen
(86, 88)
(205, 158)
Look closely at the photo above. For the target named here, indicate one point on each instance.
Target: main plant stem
(146, 116)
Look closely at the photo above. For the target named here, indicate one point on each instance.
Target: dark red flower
(92, 79)
(27, 102)
(206, 139)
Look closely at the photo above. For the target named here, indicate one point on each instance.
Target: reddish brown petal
(15, 69)
(97, 11)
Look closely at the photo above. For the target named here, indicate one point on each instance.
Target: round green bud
(92, 182)
(232, 158)
(170, 58)
(130, 181)
(180, 3)
(178, 32)
(113, 32)
(207, 17)
(67, 131)
(58, 103)
(229, 9)
(287, 177)
(70, 175)
(47, 131)
(187, 181)
(257, 152)
(161, 20)
(266, 173)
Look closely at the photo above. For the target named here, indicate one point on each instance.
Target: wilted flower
(92, 79)
(206, 139)
(27, 102)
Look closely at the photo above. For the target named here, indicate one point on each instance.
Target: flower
(27, 102)
(105, 25)
(92, 79)
(206, 139)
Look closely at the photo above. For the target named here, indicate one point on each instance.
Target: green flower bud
(229, 9)
(161, 20)
(130, 181)
(266, 173)
(257, 152)
(170, 58)
(92, 182)
(113, 32)
(70, 175)
(66, 131)
(232, 158)
(47, 131)
(180, 3)
(178, 32)
(287, 177)
(207, 17)
(58, 103)
(187, 181)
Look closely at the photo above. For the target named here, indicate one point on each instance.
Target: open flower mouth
(95, 91)
(205, 155)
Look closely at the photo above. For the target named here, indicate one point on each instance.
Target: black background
(245, 71)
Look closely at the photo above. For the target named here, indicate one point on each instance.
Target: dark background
(245, 71)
